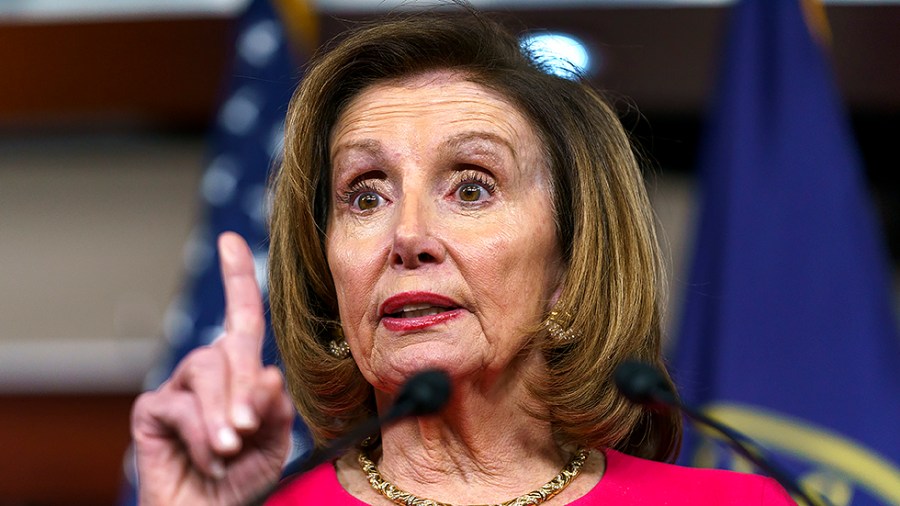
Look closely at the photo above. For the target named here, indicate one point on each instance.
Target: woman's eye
(366, 201)
(471, 192)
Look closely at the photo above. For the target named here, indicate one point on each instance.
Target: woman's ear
(554, 298)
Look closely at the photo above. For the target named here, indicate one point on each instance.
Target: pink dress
(628, 480)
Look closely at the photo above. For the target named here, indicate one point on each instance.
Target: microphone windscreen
(425, 393)
(641, 383)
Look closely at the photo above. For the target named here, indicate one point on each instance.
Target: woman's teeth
(419, 310)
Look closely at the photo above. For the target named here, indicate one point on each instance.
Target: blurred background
(105, 112)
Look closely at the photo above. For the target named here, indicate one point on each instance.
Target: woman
(442, 203)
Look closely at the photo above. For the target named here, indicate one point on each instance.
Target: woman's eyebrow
(368, 146)
(480, 137)
(375, 149)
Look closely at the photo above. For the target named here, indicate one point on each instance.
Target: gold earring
(338, 348)
(558, 327)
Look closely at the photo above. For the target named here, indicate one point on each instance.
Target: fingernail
(228, 438)
(217, 469)
(243, 417)
(226, 250)
(227, 247)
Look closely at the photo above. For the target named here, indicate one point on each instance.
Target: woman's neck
(484, 447)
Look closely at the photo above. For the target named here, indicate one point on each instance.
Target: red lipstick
(410, 311)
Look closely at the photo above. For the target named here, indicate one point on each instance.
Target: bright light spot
(220, 181)
(257, 204)
(558, 53)
(276, 140)
(260, 265)
(212, 334)
(259, 43)
(240, 112)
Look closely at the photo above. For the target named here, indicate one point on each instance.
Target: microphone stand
(738, 441)
(643, 384)
(423, 394)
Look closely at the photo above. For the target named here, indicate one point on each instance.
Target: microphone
(425, 393)
(644, 384)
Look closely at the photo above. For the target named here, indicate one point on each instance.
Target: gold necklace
(548, 490)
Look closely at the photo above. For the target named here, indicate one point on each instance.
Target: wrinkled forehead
(403, 106)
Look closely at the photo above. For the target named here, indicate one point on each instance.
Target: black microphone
(644, 384)
(425, 393)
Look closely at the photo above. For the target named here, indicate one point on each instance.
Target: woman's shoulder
(632, 480)
(318, 486)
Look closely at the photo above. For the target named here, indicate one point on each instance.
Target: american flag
(244, 146)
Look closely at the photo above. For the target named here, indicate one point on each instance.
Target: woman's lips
(418, 322)
(410, 311)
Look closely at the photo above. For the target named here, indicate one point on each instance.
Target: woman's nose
(415, 244)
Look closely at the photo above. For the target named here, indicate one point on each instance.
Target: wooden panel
(169, 70)
(665, 59)
(60, 450)
(123, 71)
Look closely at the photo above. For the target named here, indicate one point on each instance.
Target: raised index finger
(244, 326)
(244, 320)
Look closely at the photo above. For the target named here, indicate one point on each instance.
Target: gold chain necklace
(548, 490)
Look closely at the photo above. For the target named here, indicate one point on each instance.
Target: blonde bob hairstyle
(610, 299)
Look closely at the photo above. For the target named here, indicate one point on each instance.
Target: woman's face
(441, 239)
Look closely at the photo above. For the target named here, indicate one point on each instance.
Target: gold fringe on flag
(817, 21)
(301, 22)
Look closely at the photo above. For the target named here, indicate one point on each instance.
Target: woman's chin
(402, 364)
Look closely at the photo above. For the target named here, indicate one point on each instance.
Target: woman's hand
(218, 431)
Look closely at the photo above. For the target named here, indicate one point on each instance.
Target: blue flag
(244, 146)
(788, 332)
